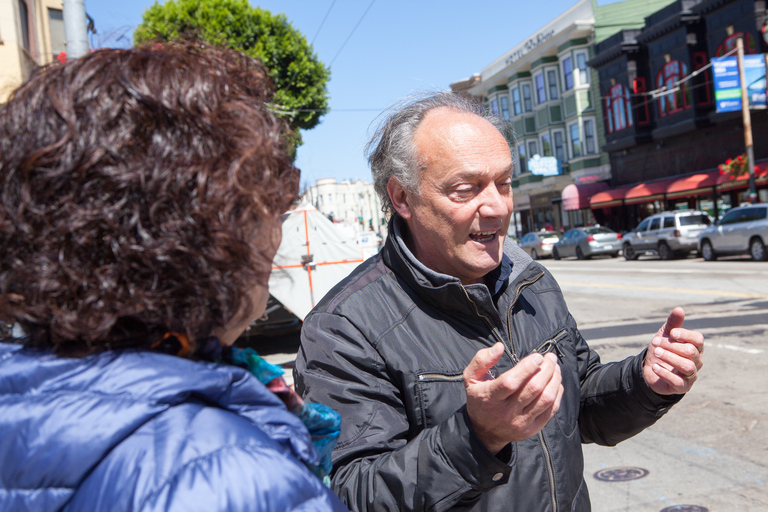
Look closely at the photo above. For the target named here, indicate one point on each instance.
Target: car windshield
(597, 231)
(692, 220)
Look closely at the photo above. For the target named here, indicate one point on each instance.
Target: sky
(378, 51)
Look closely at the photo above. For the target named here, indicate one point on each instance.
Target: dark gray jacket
(387, 347)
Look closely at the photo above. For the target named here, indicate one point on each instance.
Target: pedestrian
(462, 380)
(140, 200)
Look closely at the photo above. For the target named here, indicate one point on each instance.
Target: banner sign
(728, 85)
(544, 165)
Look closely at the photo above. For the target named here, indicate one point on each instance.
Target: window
(655, 223)
(24, 20)
(546, 145)
(521, 155)
(559, 145)
(679, 98)
(532, 148)
(669, 222)
(730, 43)
(56, 24)
(552, 82)
(527, 97)
(589, 137)
(581, 63)
(518, 108)
(494, 107)
(618, 109)
(504, 107)
(568, 73)
(541, 91)
(643, 225)
(575, 141)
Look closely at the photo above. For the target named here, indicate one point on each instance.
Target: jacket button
(497, 477)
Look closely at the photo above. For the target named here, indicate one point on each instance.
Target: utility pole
(747, 121)
(75, 28)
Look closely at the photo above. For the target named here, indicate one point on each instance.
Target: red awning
(695, 185)
(648, 192)
(576, 197)
(607, 198)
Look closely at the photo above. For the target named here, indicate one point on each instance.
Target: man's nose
(494, 204)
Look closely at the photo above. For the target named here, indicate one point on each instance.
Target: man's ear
(400, 197)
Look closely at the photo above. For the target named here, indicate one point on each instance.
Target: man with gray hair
(461, 378)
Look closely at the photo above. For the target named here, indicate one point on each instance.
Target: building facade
(31, 35)
(663, 134)
(350, 202)
(550, 93)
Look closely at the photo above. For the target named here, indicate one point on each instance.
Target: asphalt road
(710, 452)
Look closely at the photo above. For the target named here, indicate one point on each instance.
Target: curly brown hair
(136, 190)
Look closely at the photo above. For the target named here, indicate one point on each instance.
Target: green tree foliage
(299, 77)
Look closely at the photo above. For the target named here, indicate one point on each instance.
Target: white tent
(313, 256)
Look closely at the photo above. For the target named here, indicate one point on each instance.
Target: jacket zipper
(547, 346)
(494, 330)
(550, 470)
(553, 344)
(441, 376)
(519, 290)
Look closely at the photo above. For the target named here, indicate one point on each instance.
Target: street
(710, 452)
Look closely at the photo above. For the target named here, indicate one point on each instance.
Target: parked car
(668, 234)
(539, 244)
(742, 230)
(583, 243)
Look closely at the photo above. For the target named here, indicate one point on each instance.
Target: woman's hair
(392, 150)
(138, 192)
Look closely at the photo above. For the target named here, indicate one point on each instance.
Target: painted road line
(664, 289)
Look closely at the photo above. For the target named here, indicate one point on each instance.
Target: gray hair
(392, 151)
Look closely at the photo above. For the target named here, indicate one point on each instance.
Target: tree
(299, 77)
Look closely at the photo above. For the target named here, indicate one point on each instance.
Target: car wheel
(579, 254)
(707, 252)
(757, 249)
(665, 252)
(555, 254)
(534, 256)
(629, 253)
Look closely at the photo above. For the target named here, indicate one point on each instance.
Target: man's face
(459, 219)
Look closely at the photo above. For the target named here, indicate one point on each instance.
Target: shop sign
(544, 165)
(728, 84)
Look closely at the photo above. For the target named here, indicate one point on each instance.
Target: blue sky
(399, 48)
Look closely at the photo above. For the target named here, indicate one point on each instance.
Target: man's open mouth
(483, 236)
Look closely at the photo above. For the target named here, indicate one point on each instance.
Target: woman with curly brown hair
(140, 195)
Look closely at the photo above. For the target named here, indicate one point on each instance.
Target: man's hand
(518, 403)
(674, 357)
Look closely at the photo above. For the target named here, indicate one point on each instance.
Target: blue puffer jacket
(130, 430)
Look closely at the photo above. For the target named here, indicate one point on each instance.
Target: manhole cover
(685, 508)
(620, 474)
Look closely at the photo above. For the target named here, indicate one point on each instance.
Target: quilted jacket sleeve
(380, 462)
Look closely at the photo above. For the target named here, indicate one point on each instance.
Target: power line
(323, 22)
(353, 31)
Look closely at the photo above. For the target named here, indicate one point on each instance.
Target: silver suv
(741, 230)
(668, 234)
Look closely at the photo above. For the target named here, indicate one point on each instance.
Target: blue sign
(728, 84)
(544, 165)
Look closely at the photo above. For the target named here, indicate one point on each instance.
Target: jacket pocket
(439, 395)
(568, 414)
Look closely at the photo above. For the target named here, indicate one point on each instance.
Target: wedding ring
(690, 376)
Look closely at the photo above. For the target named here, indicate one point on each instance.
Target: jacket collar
(443, 291)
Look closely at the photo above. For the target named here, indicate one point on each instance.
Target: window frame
(504, 106)
(563, 150)
(517, 104)
(527, 101)
(553, 84)
(585, 148)
(577, 143)
(568, 61)
(535, 144)
(544, 150)
(581, 57)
